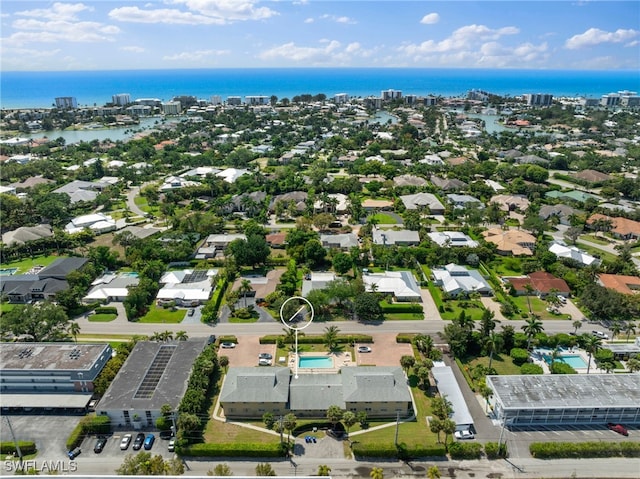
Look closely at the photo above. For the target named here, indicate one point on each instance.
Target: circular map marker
(296, 313)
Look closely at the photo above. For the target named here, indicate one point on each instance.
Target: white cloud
(162, 15)
(465, 37)
(197, 55)
(338, 19)
(133, 48)
(330, 52)
(58, 11)
(430, 19)
(309, 20)
(229, 10)
(595, 36)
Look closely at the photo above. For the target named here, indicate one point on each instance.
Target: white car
(228, 345)
(264, 362)
(124, 443)
(466, 434)
(172, 445)
(364, 349)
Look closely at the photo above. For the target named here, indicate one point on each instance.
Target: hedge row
(318, 339)
(555, 450)
(389, 451)
(400, 307)
(465, 450)
(405, 338)
(106, 310)
(26, 447)
(228, 338)
(91, 424)
(233, 450)
(492, 451)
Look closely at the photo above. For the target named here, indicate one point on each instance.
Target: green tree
(330, 337)
(449, 428)
(289, 423)
(629, 329)
(407, 362)
(268, 419)
(633, 365)
(342, 263)
(349, 419)
(441, 407)
(367, 307)
(433, 473)
(376, 473)
(244, 289)
(533, 327)
(323, 470)
(224, 362)
(591, 345)
(334, 415)
(435, 426)
(576, 325)
(42, 321)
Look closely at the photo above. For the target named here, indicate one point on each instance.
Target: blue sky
(133, 34)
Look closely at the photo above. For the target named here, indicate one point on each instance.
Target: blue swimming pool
(573, 360)
(8, 271)
(315, 362)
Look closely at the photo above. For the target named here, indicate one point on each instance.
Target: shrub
(492, 452)
(530, 368)
(318, 339)
(91, 424)
(519, 356)
(465, 450)
(379, 450)
(106, 310)
(400, 307)
(555, 450)
(26, 447)
(404, 338)
(559, 367)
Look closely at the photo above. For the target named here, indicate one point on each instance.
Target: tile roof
(620, 283)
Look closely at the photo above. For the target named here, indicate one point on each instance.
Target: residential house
(400, 284)
(419, 201)
(531, 160)
(25, 234)
(456, 280)
(542, 284)
(276, 240)
(580, 257)
(446, 184)
(511, 241)
(409, 180)
(215, 245)
(511, 202)
(344, 241)
(381, 205)
(186, 287)
(336, 203)
(592, 176)
(449, 239)
(299, 199)
(560, 211)
(395, 237)
(79, 191)
(620, 283)
(111, 287)
(98, 223)
(462, 201)
(316, 280)
(621, 228)
(176, 183)
(43, 285)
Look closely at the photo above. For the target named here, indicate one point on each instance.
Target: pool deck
(340, 359)
(536, 356)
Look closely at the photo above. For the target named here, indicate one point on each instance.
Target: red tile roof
(621, 283)
(541, 282)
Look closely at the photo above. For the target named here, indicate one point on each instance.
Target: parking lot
(519, 438)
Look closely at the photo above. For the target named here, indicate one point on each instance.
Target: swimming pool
(131, 274)
(573, 360)
(8, 271)
(315, 362)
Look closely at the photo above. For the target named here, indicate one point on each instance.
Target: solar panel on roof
(195, 276)
(155, 372)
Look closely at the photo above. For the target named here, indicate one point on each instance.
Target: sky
(137, 34)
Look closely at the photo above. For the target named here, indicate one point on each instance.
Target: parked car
(148, 441)
(139, 440)
(466, 434)
(73, 453)
(264, 362)
(619, 428)
(364, 349)
(265, 356)
(600, 334)
(228, 345)
(212, 339)
(190, 312)
(172, 445)
(168, 434)
(126, 440)
(562, 299)
(100, 443)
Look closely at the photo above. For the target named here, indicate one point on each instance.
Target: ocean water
(39, 89)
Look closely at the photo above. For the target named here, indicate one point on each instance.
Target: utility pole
(397, 426)
(15, 441)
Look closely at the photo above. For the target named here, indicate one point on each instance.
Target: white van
(600, 334)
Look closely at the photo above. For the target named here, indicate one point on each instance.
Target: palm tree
(629, 329)
(555, 354)
(576, 325)
(433, 473)
(74, 330)
(323, 470)
(244, 288)
(529, 290)
(182, 336)
(330, 337)
(424, 343)
(265, 469)
(616, 329)
(533, 327)
(491, 343)
(376, 473)
(289, 423)
(591, 346)
(633, 365)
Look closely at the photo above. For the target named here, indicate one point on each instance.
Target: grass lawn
(6, 307)
(384, 219)
(538, 306)
(596, 239)
(506, 266)
(502, 363)
(102, 318)
(161, 315)
(25, 265)
(453, 308)
(598, 253)
(403, 316)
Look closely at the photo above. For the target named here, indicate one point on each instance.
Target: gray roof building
(154, 374)
(343, 241)
(421, 200)
(449, 388)
(566, 398)
(395, 237)
(27, 233)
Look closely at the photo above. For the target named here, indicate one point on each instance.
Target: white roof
(185, 292)
(571, 252)
(87, 220)
(448, 387)
(452, 238)
(455, 279)
(391, 282)
(230, 175)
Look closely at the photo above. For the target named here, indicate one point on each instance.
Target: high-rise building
(341, 98)
(234, 100)
(66, 102)
(388, 95)
(121, 99)
(538, 99)
(216, 99)
(171, 108)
